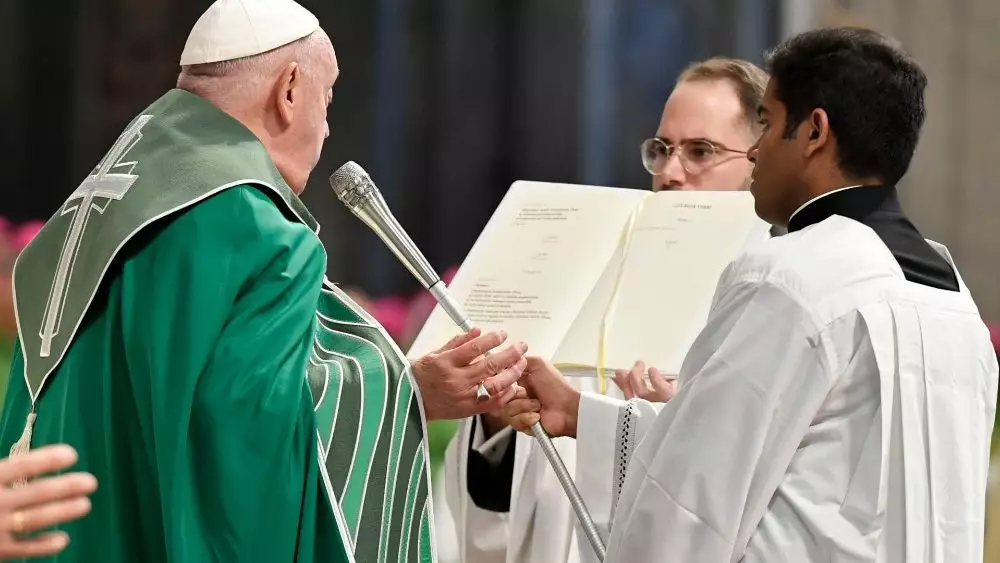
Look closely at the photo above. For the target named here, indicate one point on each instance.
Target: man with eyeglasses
(508, 505)
(708, 124)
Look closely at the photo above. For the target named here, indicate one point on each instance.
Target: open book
(595, 278)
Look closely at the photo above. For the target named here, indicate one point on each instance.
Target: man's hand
(41, 503)
(547, 397)
(633, 384)
(448, 377)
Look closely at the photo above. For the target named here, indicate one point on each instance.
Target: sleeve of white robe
(702, 478)
(608, 429)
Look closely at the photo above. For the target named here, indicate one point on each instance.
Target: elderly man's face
(702, 139)
(303, 103)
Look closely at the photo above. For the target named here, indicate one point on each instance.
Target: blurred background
(447, 102)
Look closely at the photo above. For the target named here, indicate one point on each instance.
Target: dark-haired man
(838, 406)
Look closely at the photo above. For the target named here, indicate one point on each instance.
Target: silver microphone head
(355, 188)
(352, 185)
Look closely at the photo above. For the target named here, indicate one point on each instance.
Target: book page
(680, 244)
(578, 352)
(535, 263)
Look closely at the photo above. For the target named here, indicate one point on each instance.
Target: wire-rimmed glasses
(696, 155)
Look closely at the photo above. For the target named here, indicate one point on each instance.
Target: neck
(297, 184)
(832, 183)
(853, 202)
(261, 125)
(837, 180)
(251, 119)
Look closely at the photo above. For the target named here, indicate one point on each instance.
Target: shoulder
(245, 214)
(816, 264)
(240, 223)
(248, 210)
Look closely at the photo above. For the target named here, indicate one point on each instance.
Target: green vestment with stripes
(176, 328)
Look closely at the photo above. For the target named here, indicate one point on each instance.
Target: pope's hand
(632, 383)
(41, 503)
(546, 397)
(448, 377)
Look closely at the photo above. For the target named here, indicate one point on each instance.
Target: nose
(752, 152)
(674, 175)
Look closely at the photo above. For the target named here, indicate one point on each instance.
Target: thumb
(523, 422)
(534, 364)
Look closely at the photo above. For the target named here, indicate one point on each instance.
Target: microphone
(355, 188)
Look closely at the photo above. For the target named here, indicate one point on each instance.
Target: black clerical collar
(877, 207)
(854, 202)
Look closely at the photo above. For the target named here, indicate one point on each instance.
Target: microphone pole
(357, 191)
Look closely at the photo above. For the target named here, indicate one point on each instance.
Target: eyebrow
(688, 140)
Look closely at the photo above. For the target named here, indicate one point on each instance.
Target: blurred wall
(951, 190)
(444, 102)
(447, 102)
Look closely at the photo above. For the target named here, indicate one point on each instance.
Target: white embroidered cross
(105, 184)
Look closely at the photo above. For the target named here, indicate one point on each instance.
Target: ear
(288, 93)
(817, 130)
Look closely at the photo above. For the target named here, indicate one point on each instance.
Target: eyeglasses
(696, 155)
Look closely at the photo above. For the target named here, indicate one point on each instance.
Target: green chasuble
(175, 327)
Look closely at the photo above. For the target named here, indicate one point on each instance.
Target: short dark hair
(748, 79)
(871, 90)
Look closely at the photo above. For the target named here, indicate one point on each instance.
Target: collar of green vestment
(177, 152)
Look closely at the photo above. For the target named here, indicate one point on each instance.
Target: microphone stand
(356, 190)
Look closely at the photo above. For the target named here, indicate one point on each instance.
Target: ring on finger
(482, 394)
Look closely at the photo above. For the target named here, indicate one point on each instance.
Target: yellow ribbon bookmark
(609, 311)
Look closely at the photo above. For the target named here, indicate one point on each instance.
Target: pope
(175, 327)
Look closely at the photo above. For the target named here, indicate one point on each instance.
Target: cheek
(322, 126)
(730, 175)
(314, 131)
